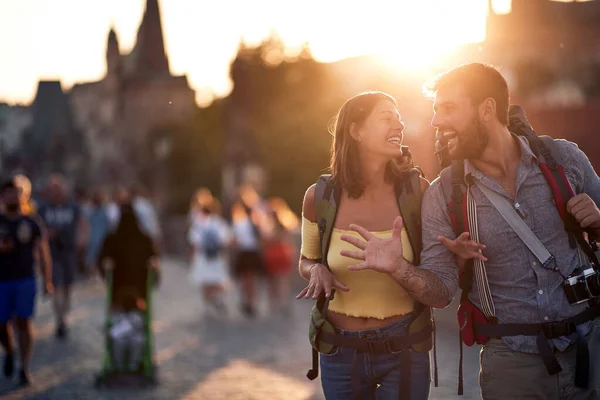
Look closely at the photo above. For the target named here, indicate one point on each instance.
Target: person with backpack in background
(374, 337)
(279, 252)
(210, 236)
(523, 210)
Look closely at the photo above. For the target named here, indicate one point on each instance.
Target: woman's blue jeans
(374, 376)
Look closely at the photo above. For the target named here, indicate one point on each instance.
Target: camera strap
(509, 214)
(519, 226)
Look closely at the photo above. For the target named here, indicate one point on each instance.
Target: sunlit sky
(66, 39)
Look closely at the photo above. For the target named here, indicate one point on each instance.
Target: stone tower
(149, 56)
(113, 55)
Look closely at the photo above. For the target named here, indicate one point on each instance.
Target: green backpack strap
(327, 200)
(408, 192)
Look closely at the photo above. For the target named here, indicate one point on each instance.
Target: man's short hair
(481, 81)
(23, 183)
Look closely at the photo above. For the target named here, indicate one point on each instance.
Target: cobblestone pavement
(204, 357)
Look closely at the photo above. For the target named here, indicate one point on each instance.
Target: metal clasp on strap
(322, 224)
(553, 330)
(549, 261)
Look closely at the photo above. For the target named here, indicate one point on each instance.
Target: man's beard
(471, 142)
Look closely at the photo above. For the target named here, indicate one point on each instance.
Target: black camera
(584, 283)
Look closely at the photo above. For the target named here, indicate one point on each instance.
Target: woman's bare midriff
(349, 323)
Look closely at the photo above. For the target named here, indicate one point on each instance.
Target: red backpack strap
(549, 160)
(454, 188)
(551, 166)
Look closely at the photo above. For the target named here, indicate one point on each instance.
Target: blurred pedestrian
(132, 256)
(279, 252)
(64, 219)
(210, 237)
(22, 241)
(247, 214)
(99, 228)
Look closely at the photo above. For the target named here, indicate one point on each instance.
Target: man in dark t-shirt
(22, 242)
(64, 222)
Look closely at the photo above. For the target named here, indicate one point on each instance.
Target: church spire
(150, 55)
(113, 55)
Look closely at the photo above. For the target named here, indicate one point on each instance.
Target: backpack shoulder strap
(550, 162)
(327, 200)
(408, 193)
(552, 167)
(454, 188)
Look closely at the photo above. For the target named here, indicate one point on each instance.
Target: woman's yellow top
(372, 294)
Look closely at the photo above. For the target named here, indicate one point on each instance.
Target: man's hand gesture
(463, 247)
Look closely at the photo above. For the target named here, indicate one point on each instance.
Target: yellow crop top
(372, 294)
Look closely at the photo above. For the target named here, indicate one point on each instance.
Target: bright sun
(430, 29)
(408, 34)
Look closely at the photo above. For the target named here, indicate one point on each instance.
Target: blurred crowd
(254, 241)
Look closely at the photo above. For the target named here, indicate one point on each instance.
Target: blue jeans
(374, 376)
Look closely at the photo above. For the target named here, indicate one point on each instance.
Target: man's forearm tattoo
(424, 286)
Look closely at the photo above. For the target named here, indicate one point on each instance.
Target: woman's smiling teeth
(396, 140)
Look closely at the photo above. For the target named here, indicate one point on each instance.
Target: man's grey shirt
(523, 291)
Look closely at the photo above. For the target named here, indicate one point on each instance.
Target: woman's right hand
(321, 280)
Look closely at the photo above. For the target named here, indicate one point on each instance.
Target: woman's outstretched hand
(381, 255)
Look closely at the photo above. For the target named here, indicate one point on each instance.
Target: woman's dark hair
(128, 224)
(345, 164)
